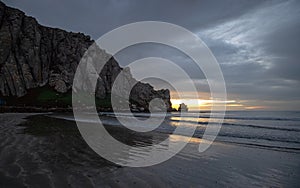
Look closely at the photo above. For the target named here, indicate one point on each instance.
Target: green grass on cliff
(47, 97)
(50, 96)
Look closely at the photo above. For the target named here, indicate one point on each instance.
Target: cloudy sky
(256, 43)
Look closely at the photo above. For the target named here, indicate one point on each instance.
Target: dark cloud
(96, 17)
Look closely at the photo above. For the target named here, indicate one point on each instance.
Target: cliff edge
(33, 56)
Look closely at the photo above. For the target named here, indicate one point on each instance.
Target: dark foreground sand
(48, 152)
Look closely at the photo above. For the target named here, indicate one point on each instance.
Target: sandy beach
(41, 151)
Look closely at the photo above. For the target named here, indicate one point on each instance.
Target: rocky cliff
(34, 56)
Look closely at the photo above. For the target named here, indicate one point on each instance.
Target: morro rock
(34, 56)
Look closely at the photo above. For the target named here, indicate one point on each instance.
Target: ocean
(277, 130)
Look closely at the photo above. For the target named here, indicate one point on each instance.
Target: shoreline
(41, 151)
(33, 109)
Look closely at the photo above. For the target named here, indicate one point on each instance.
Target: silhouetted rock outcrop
(33, 56)
(183, 108)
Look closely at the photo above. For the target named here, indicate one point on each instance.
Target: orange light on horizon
(206, 104)
(255, 107)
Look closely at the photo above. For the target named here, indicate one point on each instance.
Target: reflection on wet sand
(49, 152)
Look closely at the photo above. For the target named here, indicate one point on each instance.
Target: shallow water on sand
(258, 149)
(272, 130)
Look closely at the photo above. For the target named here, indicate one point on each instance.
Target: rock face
(183, 108)
(34, 56)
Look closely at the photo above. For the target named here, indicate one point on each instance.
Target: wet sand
(41, 151)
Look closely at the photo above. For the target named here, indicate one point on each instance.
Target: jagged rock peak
(32, 56)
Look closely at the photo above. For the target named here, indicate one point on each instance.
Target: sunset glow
(206, 104)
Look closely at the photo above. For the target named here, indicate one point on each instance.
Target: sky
(256, 43)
